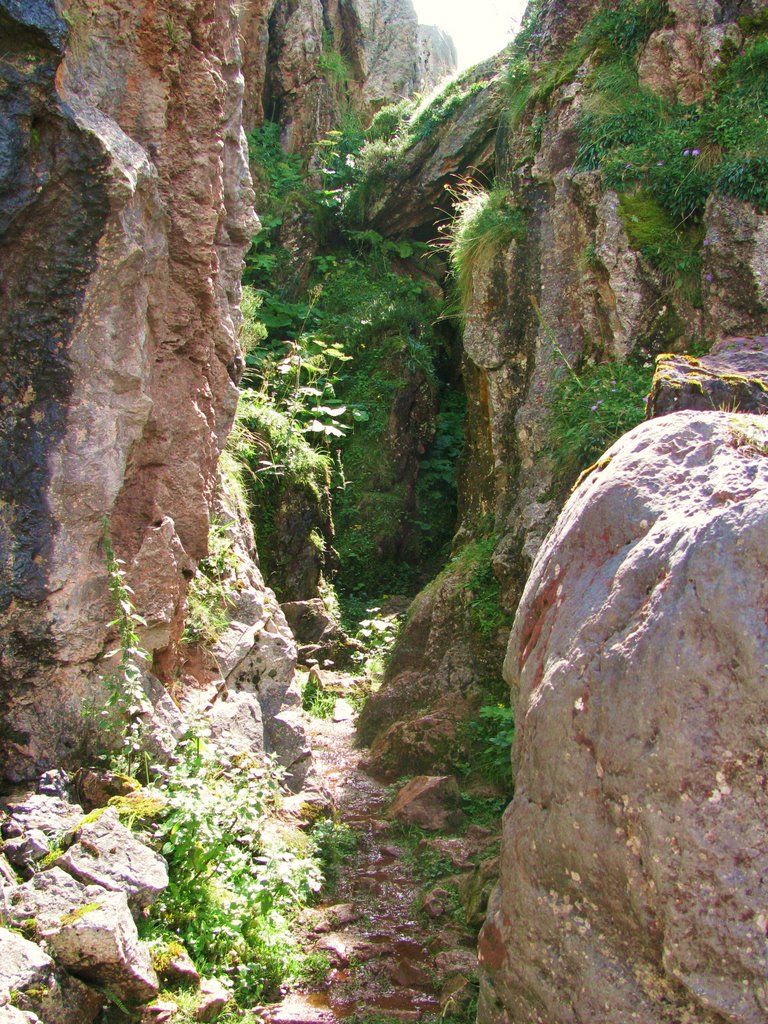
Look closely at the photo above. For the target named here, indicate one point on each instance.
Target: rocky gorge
(476, 408)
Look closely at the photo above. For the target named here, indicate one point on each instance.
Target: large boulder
(732, 377)
(635, 850)
(29, 979)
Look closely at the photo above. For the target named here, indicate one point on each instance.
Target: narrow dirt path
(385, 954)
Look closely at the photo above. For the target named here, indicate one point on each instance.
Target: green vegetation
(489, 739)
(119, 720)
(237, 877)
(592, 409)
(207, 596)
(349, 337)
(334, 843)
(484, 224)
(750, 434)
(315, 700)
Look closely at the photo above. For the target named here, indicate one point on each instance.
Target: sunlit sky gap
(479, 28)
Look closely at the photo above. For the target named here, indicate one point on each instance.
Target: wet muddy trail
(390, 956)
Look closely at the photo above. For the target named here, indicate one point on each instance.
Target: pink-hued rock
(430, 801)
(636, 848)
(131, 211)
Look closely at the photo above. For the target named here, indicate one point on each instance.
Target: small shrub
(209, 593)
(315, 700)
(489, 738)
(334, 843)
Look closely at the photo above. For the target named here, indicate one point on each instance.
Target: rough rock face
(411, 198)
(432, 681)
(306, 61)
(245, 687)
(732, 377)
(573, 287)
(125, 208)
(634, 851)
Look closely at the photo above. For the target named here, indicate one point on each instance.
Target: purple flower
(705, 242)
(686, 152)
(695, 152)
(708, 277)
(659, 163)
(594, 408)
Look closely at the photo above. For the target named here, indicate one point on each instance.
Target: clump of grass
(592, 409)
(749, 434)
(210, 590)
(486, 221)
(672, 249)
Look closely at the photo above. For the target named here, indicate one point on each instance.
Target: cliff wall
(127, 208)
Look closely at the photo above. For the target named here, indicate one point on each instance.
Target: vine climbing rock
(635, 851)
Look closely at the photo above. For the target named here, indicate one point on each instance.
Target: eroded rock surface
(732, 377)
(635, 848)
(106, 853)
(126, 208)
(308, 61)
(89, 931)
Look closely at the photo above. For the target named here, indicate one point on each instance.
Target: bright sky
(479, 28)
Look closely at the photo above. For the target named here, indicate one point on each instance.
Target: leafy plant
(315, 700)
(122, 716)
(234, 884)
(209, 593)
(490, 738)
(333, 843)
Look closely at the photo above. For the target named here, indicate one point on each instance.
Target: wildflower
(708, 277)
(705, 242)
(695, 152)
(686, 152)
(659, 163)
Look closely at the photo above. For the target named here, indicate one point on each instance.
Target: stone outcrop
(244, 688)
(409, 197)
(634, 849)
(433, 681)
(429, 801)
(308, 61)
(106, 853)
(89, 932)
(126, 208)
(732, 377)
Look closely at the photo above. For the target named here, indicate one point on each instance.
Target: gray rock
(23, 965)
(24, 851)
(10, 1015)
(635, 849)
(213, 998)
(30, 976)
(732, 377)
(55, 783)
(49, 814)
(7, 874)
(89, 931)
(108, 854)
